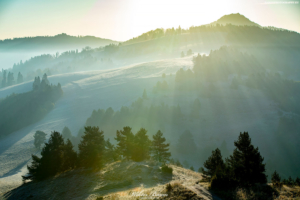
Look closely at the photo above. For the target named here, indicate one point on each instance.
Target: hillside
(57, 42)
(234, 19)
(118, 180)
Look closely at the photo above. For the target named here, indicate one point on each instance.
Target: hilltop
(57, 42)
(234, 19)
(118, 180)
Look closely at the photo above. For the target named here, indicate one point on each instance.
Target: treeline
(94, 151)
(20, 110)
(8, 79)
(223, 62)
(244, 170)
(283, 91)
(138, 114)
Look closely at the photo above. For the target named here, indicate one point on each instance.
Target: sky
(124, 19)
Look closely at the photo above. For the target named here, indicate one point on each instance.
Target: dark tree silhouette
(39, 139)
(69, 156)
(125, 140)
(160, 149)
(275, 178)
(246, 162)
(141, 146)
(213, 163)
(3, 84)
(91, 148)
(51, 161)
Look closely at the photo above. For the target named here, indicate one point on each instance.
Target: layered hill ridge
(60, 41)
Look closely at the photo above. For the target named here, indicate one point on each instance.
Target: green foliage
(39, 139)
(133, 146)
(166, 169)
(92, 148)
(192, 168)
(20, 110)
(56, 157)
(246, 163)
(169, 187)
(137, 115)
(213, 163)
(275, 178)
(160, 149)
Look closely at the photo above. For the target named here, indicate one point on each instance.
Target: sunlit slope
(83, 92)
(223, 114)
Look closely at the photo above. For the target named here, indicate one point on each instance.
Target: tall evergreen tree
(51, 161)
(3, 84)
(160, 149)
(246, 162)
(91, 148)
(213, 163)
(142, 143)
(45, 78)
(39, 139)
(69, 156)
(125, 139)
(275, 178)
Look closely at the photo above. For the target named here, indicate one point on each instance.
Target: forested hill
(235, 19)
(61, 41)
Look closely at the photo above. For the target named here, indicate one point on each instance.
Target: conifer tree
(142, 145)
(51, 161)
(213, 163)
(69, 156)
(160, 149)
(39, 139)
(91, 148)
(125, 139)
(275, 178)
(246, 163)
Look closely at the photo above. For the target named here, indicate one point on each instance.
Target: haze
(124, 19)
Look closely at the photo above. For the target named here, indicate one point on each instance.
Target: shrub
(166, 169)
(169, 187)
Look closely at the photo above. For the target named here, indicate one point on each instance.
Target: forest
(20, 110)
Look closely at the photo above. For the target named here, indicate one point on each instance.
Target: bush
(222, 182)
(166, 169)
(169, 187)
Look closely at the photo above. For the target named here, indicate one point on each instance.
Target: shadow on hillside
(82, 183)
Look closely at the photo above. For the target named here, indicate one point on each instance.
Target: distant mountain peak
(235, 19)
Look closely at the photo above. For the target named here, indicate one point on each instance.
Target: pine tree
(142, 145)
(51, 161)
(110, 152)
(275, 178)
(45, 78)
(246, 162)
(160, 149)
(69, 156)
(192, 168)
(125, 139)
(213, 163)
(39, 139)
(91, 148)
